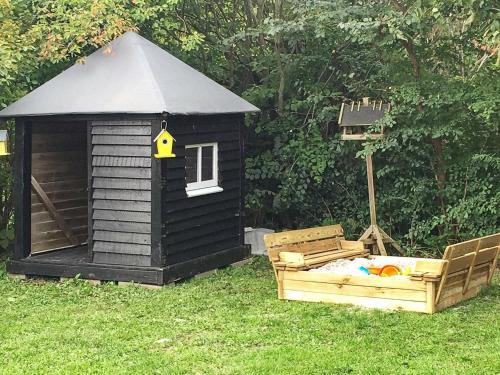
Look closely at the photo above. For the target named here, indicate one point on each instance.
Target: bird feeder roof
(129, 76)
(362, 114)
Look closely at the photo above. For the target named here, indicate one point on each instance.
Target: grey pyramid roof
(136, 76)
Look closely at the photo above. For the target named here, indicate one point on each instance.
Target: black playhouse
(128, 167)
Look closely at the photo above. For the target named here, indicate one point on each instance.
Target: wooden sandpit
(432, 285)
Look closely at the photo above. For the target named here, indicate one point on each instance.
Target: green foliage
(436, 63)
(6, 237)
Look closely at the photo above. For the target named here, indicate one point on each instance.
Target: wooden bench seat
(304, 249)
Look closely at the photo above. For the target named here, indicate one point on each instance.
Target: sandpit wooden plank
(367, 302)
(303, 235)
(457, 298)
(460, 263)
(374, 281)
(457, 287)
(355, 290)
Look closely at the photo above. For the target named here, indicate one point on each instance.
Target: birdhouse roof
(130, 75)
(359, 114)
(163, 133)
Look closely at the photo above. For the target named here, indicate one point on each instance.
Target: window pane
(191, 164)
(207, 159)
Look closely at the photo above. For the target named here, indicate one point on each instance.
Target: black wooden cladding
(218, 242)
(121, 197)
(210, 200)
(122, 226)
(122, 130)
(122, 172)
(22, 189)
(108, 204)
(122, 237)
(121, 194)
(205, 226)
(90, 192)
(121, 258)
(180, 241)
(124, 151)
(121, 139)
(129, 216)
(192, 266)
(121, 248)
(121, 183)
(117, 161)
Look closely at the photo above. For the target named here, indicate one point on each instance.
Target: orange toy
(389, 270)
(374, 270)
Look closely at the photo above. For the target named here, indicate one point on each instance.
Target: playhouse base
(70, 263)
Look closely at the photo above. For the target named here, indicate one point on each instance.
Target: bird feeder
(355, 119)
(4, 143)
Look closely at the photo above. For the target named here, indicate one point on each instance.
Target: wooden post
(157, 257)
(241, 211)
(378, 246)
(430, 297)
(90, 195)
(22, 190)
(280, 276)
(371, 190)
(375, 236)
(444, 277)
(493, 266)
(388, 238)
(379, 240)
(471, 268)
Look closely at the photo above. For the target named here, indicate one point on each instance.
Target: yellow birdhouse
(4, 143)
(164, 144)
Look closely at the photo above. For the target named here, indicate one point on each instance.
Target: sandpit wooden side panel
(453, 292)
(470, 266)
(365, 291)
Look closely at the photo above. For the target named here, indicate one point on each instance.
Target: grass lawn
(233, 323)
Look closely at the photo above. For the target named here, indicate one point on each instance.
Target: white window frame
(209, 186)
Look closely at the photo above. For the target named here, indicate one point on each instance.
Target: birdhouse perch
(4, 143)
